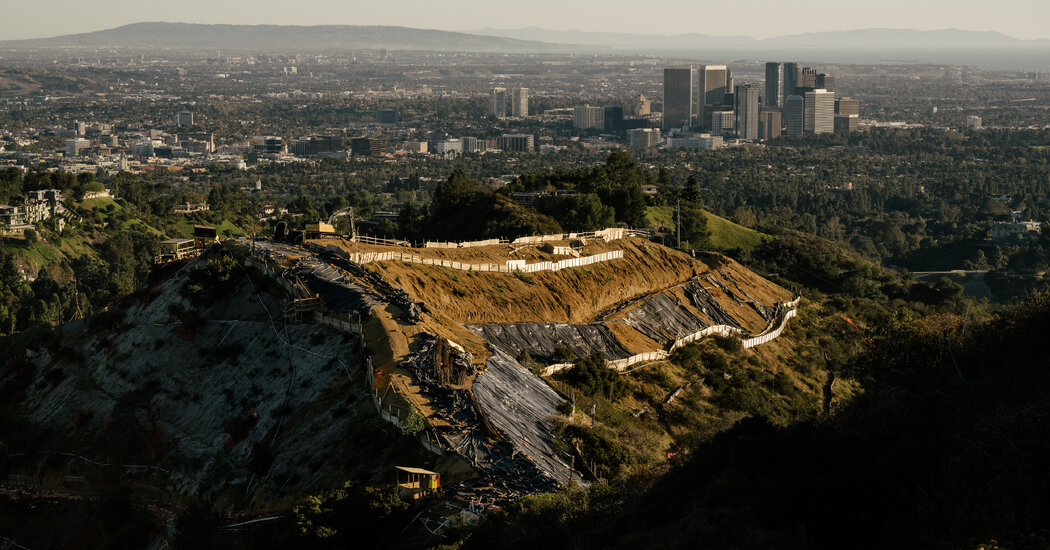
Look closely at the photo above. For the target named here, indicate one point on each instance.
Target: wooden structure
(416, 483)
(173, 250)
(204, 235)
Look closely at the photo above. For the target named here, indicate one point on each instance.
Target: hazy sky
(758, 18)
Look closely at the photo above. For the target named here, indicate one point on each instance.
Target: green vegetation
(941, 447)
(594, 378)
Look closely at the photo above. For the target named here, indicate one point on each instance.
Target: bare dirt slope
(576, 295)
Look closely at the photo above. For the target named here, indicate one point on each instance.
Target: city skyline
(1022, 19)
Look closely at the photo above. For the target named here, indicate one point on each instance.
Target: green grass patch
(724, 233)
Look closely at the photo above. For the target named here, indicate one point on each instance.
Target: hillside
(725, 234)
(282, 38)
(941, 452)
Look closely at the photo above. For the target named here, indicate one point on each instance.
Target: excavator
(327, 229)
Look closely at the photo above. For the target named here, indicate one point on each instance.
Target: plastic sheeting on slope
(540, 339)
(662, 319)
(338, 291)
(706, 304)
(518, 403)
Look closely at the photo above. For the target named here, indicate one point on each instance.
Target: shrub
(563, 354)
(594, 378)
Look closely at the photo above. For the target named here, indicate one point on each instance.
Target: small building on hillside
(416, 483)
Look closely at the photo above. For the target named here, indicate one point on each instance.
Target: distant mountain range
(861, 38)
(285, 38)
(289, 38)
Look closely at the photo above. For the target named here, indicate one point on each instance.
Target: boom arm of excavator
(344, 212)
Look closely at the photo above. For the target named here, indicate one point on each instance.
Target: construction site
(444, 330)
(279, 368)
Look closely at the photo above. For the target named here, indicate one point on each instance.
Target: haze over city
(1024, 19)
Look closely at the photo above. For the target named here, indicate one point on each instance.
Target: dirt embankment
(576, 295)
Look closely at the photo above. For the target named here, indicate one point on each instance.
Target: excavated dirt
(574, 295)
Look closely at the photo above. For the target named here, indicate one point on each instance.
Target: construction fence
(785, 311)
(509, 267)
(608, 234)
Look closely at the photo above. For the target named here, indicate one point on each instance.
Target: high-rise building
(794, 111)
(807, 78)
(723, 123)
(499, 102)
(185, 118)
(449, 146)
(846, 123)
(791, 76)
(613, 119)
(312, 146)
(520, 143)
(826, 81)
(470, 144)
(79, 127)
(746, 97)
(714, 85)
(773, 85)
(679, 98)
(387, 116)
(642, 106)
(643, 138)
(847, 106)
(75, 146)
(520, 102)
(268, 145)
(973, 122)
(769, 123)
(586, 117)
(819, 115)
(365, 146)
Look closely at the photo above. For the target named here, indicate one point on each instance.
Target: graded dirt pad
(574, 295)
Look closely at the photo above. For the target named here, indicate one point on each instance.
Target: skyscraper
(641, 106)
(807, 78)
(773, 85)
(520, 102)
(847, 106)
(714, 80)
(746, 96)
(793, 115)
(185, 118)
(679, 98)
(723, 123)
(613, 119)
(769, 123)
(499, 102)
(585, 117)
(791, 76)
(819, 115)
(826, 81)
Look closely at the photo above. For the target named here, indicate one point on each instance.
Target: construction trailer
(416, 483)
(173, 250)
